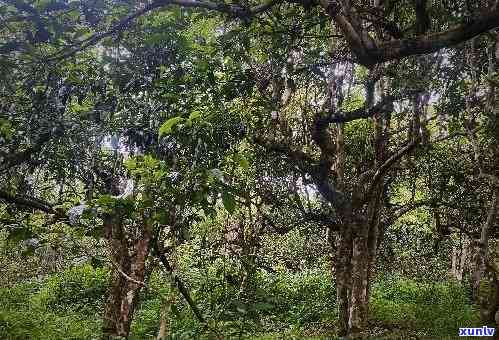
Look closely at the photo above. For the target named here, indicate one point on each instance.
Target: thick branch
(308, 165)
(29, 202)
(278, 230)
(384, 106)
(390, 161)
(491, 218)
(122, 273)
(359, 41)
(385, 167)
(369, 53)
(323, 219)
(425, 44)
(234, 10)
(422, 18)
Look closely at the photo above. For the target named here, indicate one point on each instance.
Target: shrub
(63, 306)
(435, 309)
(78, 288)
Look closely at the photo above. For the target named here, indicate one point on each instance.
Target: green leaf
(243, 161)
(264, 306)
(150, 162)
(161, 217)
(106, 201)
(195, 115)
(6, 130)
(167, 126)
(96, 262)
(29, 251)
(97, 232)
(19, 234)
(229, 202)
(130, 163)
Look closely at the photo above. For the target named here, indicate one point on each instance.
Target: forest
(249, 169)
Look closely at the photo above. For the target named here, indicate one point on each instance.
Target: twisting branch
(478, 158)
(370, 52)
(236, 11)
(385, 167)
(29, 202)
(384, 106)
(394, 158)
(131, 279)
(319, 171)
(401, 211)
(95, 38)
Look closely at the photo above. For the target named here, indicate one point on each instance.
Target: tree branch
(406, 209)
(370, 53)
(122, 273)
(237, 11)
(422, 18)
(424, 44)
(384, 106)
(383, 168)
(183, 290)
(29, 202)
(302, 160)
(318, 171)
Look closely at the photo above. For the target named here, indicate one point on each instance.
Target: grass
(68, 305)
(424, 310)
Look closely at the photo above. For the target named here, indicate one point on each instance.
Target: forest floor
(68, 305)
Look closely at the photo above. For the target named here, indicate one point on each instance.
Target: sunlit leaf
(229, 202)
(167, 126)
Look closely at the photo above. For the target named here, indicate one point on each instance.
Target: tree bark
(359, 301)
(164, 323)
(486, 283)
(458, 261)
(343, 282)
(354, 264)
(358, 240)
(127, 278)
(369, 52)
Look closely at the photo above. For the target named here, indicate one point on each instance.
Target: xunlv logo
(481, 331)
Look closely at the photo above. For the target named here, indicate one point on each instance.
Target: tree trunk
(458, 261)
(454, 264)
(358, 241)
(343, 284)
(353, 273)
(486, 283)
(359, 301)
(127, 278)
(119, 308)
(168, 302)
